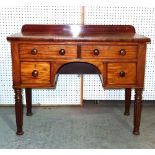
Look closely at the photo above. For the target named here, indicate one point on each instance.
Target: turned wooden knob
(96, 52)
(34, 51)
(35, 73)
(122, 52)
(122, 74)
(62, 52)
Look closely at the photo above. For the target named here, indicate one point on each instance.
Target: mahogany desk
(40, 52)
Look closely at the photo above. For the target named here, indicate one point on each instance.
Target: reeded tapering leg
(137, 110)
(127, 101)
(19, 110)
(28, 92)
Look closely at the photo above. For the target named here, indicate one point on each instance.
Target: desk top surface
(83, 33)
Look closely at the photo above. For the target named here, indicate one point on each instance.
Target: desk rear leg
(137, 110)
(127, 101)
(28, 93)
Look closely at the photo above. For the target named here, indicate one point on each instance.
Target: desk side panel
(141, 65)
(15, 64)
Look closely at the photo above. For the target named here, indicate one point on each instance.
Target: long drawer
(112, 51)
(32, 51)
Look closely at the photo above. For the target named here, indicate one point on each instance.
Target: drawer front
(105, 51)
(35, 72)
(47, 51)
(121, 73)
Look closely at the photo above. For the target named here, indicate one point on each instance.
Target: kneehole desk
(39, 52)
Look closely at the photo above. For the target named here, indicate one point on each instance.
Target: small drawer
(32, 51)
(35, 72)
(112, 51)
(121, 73)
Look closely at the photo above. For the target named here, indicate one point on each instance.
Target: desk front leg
(137, 110)
(19, 110)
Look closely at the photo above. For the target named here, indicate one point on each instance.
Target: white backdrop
(68, 88)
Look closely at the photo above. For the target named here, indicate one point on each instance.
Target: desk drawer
(105, 51)
(121, 73)
(35, 72)
(47, 51)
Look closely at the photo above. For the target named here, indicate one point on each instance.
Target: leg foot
(20, 133)
(127, 101)
(29, 113)
(126, 113)
(136, 132)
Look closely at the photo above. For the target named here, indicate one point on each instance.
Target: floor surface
(94, 126)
